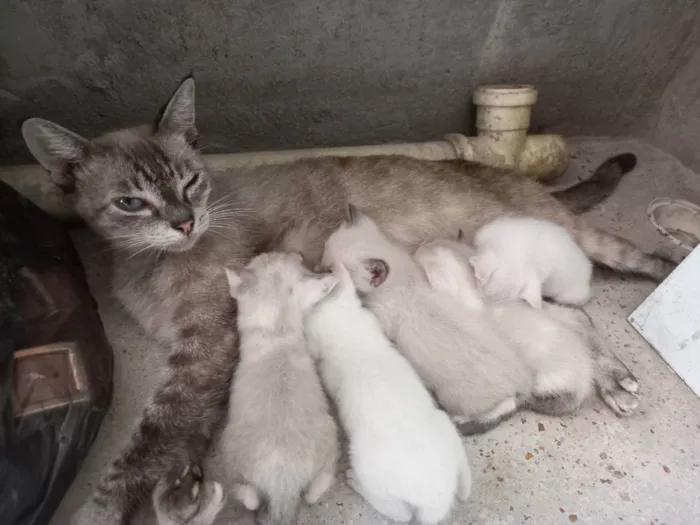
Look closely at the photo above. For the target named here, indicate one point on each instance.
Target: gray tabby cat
(147, 192)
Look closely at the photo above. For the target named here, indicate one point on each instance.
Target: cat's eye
(131, 204)
(191, 183)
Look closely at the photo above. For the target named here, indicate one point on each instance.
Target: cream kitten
(280, 439)
(406, 455)
(527, 258)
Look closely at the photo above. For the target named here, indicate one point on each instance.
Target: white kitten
(406, 455)
(280, 439)
(527, 258)
(553, 342)
(475, 373)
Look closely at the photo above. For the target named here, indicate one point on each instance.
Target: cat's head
(139, 188)
(276, 286)
(364, 249)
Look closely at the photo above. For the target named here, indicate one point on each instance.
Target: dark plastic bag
(55, 363)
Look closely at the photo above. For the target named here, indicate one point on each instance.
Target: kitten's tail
(281, 509)
(620, 254)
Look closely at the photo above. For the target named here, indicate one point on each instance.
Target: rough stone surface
(591, 468)
(282, 73)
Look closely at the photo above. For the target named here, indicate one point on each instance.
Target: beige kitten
(280, 441)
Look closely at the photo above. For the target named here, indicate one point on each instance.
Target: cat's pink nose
(185, 227)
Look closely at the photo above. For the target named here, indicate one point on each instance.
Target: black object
(55, 363)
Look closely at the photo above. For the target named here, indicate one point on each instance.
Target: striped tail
(621, 255)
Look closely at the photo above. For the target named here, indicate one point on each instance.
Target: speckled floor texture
(591, 468)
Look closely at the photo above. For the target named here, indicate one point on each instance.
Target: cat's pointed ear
(532, 292)
(351, 215)
(460, 235)
(54, 147)
(484, 264)
(234, 282)
(315, 289)
(377, 271)
(178, 115)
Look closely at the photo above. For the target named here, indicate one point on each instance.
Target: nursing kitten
(146, 191)
(527, 258)
(280, 440)
(559, 342)
(187, 500)
(406, 456)
(473, 371)
(443, 262)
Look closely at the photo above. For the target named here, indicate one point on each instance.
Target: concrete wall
(283, 73)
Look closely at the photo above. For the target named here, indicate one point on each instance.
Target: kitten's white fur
(461, 358)
(552, 341)
(527, 258)
(280, 439)
(406, 455)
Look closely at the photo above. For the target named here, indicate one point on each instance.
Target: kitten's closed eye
(131, 204)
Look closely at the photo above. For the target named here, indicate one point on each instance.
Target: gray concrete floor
(592, 468)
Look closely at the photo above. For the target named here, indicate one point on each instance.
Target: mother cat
(174, 226)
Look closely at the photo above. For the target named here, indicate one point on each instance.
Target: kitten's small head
(276, 286)
(139, 188)
(499, 280)
(367, 252)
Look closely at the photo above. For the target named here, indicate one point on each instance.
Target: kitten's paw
(629, 383)
(247, 495)
(620, 400)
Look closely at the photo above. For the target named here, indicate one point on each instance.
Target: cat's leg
(391, 508)
(177, 425)
(326, 476)
(188, 499)
(614, 382)
(487, 421)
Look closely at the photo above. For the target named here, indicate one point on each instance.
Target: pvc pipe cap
(505, 95)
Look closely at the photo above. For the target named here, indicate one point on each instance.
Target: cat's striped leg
(177, 425)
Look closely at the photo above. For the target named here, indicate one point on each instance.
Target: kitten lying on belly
(527, 258)
(406, 455)
(475, 373)
(280, 440)
(559, 342)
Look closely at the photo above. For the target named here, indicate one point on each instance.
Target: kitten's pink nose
(185, 227)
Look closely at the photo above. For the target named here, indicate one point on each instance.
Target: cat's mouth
(185, 243)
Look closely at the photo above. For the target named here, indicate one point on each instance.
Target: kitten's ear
(532, 292)
(460, 235)
(484, 265)
(178, 115)
(234, 282)
(315, 289)
(351, 215)
(378, 271)
(54, 147)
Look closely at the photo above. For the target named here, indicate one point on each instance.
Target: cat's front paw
(619, 392)
(188, 499)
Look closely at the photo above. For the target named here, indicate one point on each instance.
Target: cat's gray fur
(280, 440)
(182, 297)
